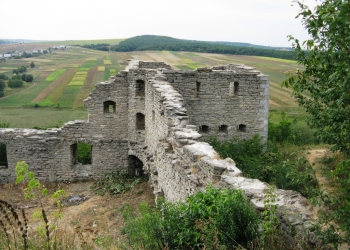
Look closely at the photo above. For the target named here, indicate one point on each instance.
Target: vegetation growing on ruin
(216, 219)
(283, 164)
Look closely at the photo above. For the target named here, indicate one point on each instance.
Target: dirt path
(314, 157)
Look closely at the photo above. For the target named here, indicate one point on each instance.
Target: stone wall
(225, 102)
(151, 114)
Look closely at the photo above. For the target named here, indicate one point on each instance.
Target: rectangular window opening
(3, 156)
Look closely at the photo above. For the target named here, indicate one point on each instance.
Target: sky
(262, 22)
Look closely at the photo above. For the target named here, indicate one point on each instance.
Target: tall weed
(216, 219)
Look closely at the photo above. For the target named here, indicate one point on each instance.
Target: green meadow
(65, 78)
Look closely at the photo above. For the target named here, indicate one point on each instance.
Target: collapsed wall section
(107, 107)
(226, 101)
(52, 154)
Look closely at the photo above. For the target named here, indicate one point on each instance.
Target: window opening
(109, 107)
(198, 86)
(140, 88)
(204, 129)
(223, 128)
(234, 87)
(81, 153)
(140, 121)
(3, 156)
(242, 128)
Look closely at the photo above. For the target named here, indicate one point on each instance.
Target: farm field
(63, 79)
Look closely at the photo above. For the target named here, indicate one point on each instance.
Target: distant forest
(151, 42)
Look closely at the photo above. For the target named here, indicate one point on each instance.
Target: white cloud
(265, 22)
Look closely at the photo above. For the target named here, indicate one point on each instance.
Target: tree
(4, 77)
(29, 78)
(32, 64)
(15, 83)
(22, 69)
(323, 86)
(2, 84)
(23, 77)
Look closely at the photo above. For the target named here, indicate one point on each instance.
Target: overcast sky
(263, 22)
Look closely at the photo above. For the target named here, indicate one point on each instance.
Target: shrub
(22, 69)
(115, 183)
(15, 83)
(84, 153)
(3, 77)
(218, 218)
(287, 170)
(29, 78)
(2, 84)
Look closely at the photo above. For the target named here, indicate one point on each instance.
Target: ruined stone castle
(152, 118)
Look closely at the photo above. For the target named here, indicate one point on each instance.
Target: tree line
(99, 46)
(151, 42)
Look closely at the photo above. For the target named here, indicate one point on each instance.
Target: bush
(2, 84)
(3, 77)
(15, 83)
(22, 69)
(23, 76)
(216, 219)
(29, 78)
(84, 153)
(277, 166)
(116, 183)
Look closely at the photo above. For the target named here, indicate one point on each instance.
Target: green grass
(25, 97)
(68, 96)
(106, 74)
(41, 117)
(84, 69)
(54, 75)
(89, 63)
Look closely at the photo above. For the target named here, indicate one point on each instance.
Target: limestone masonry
(152, 118)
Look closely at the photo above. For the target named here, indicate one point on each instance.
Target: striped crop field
(106, 74)
(67, 98)
(65, 78)
(54, 75)
(107, 62)
(60, 85)
(90, 63)
(45, 97)
(86, 88)
(79, 78)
